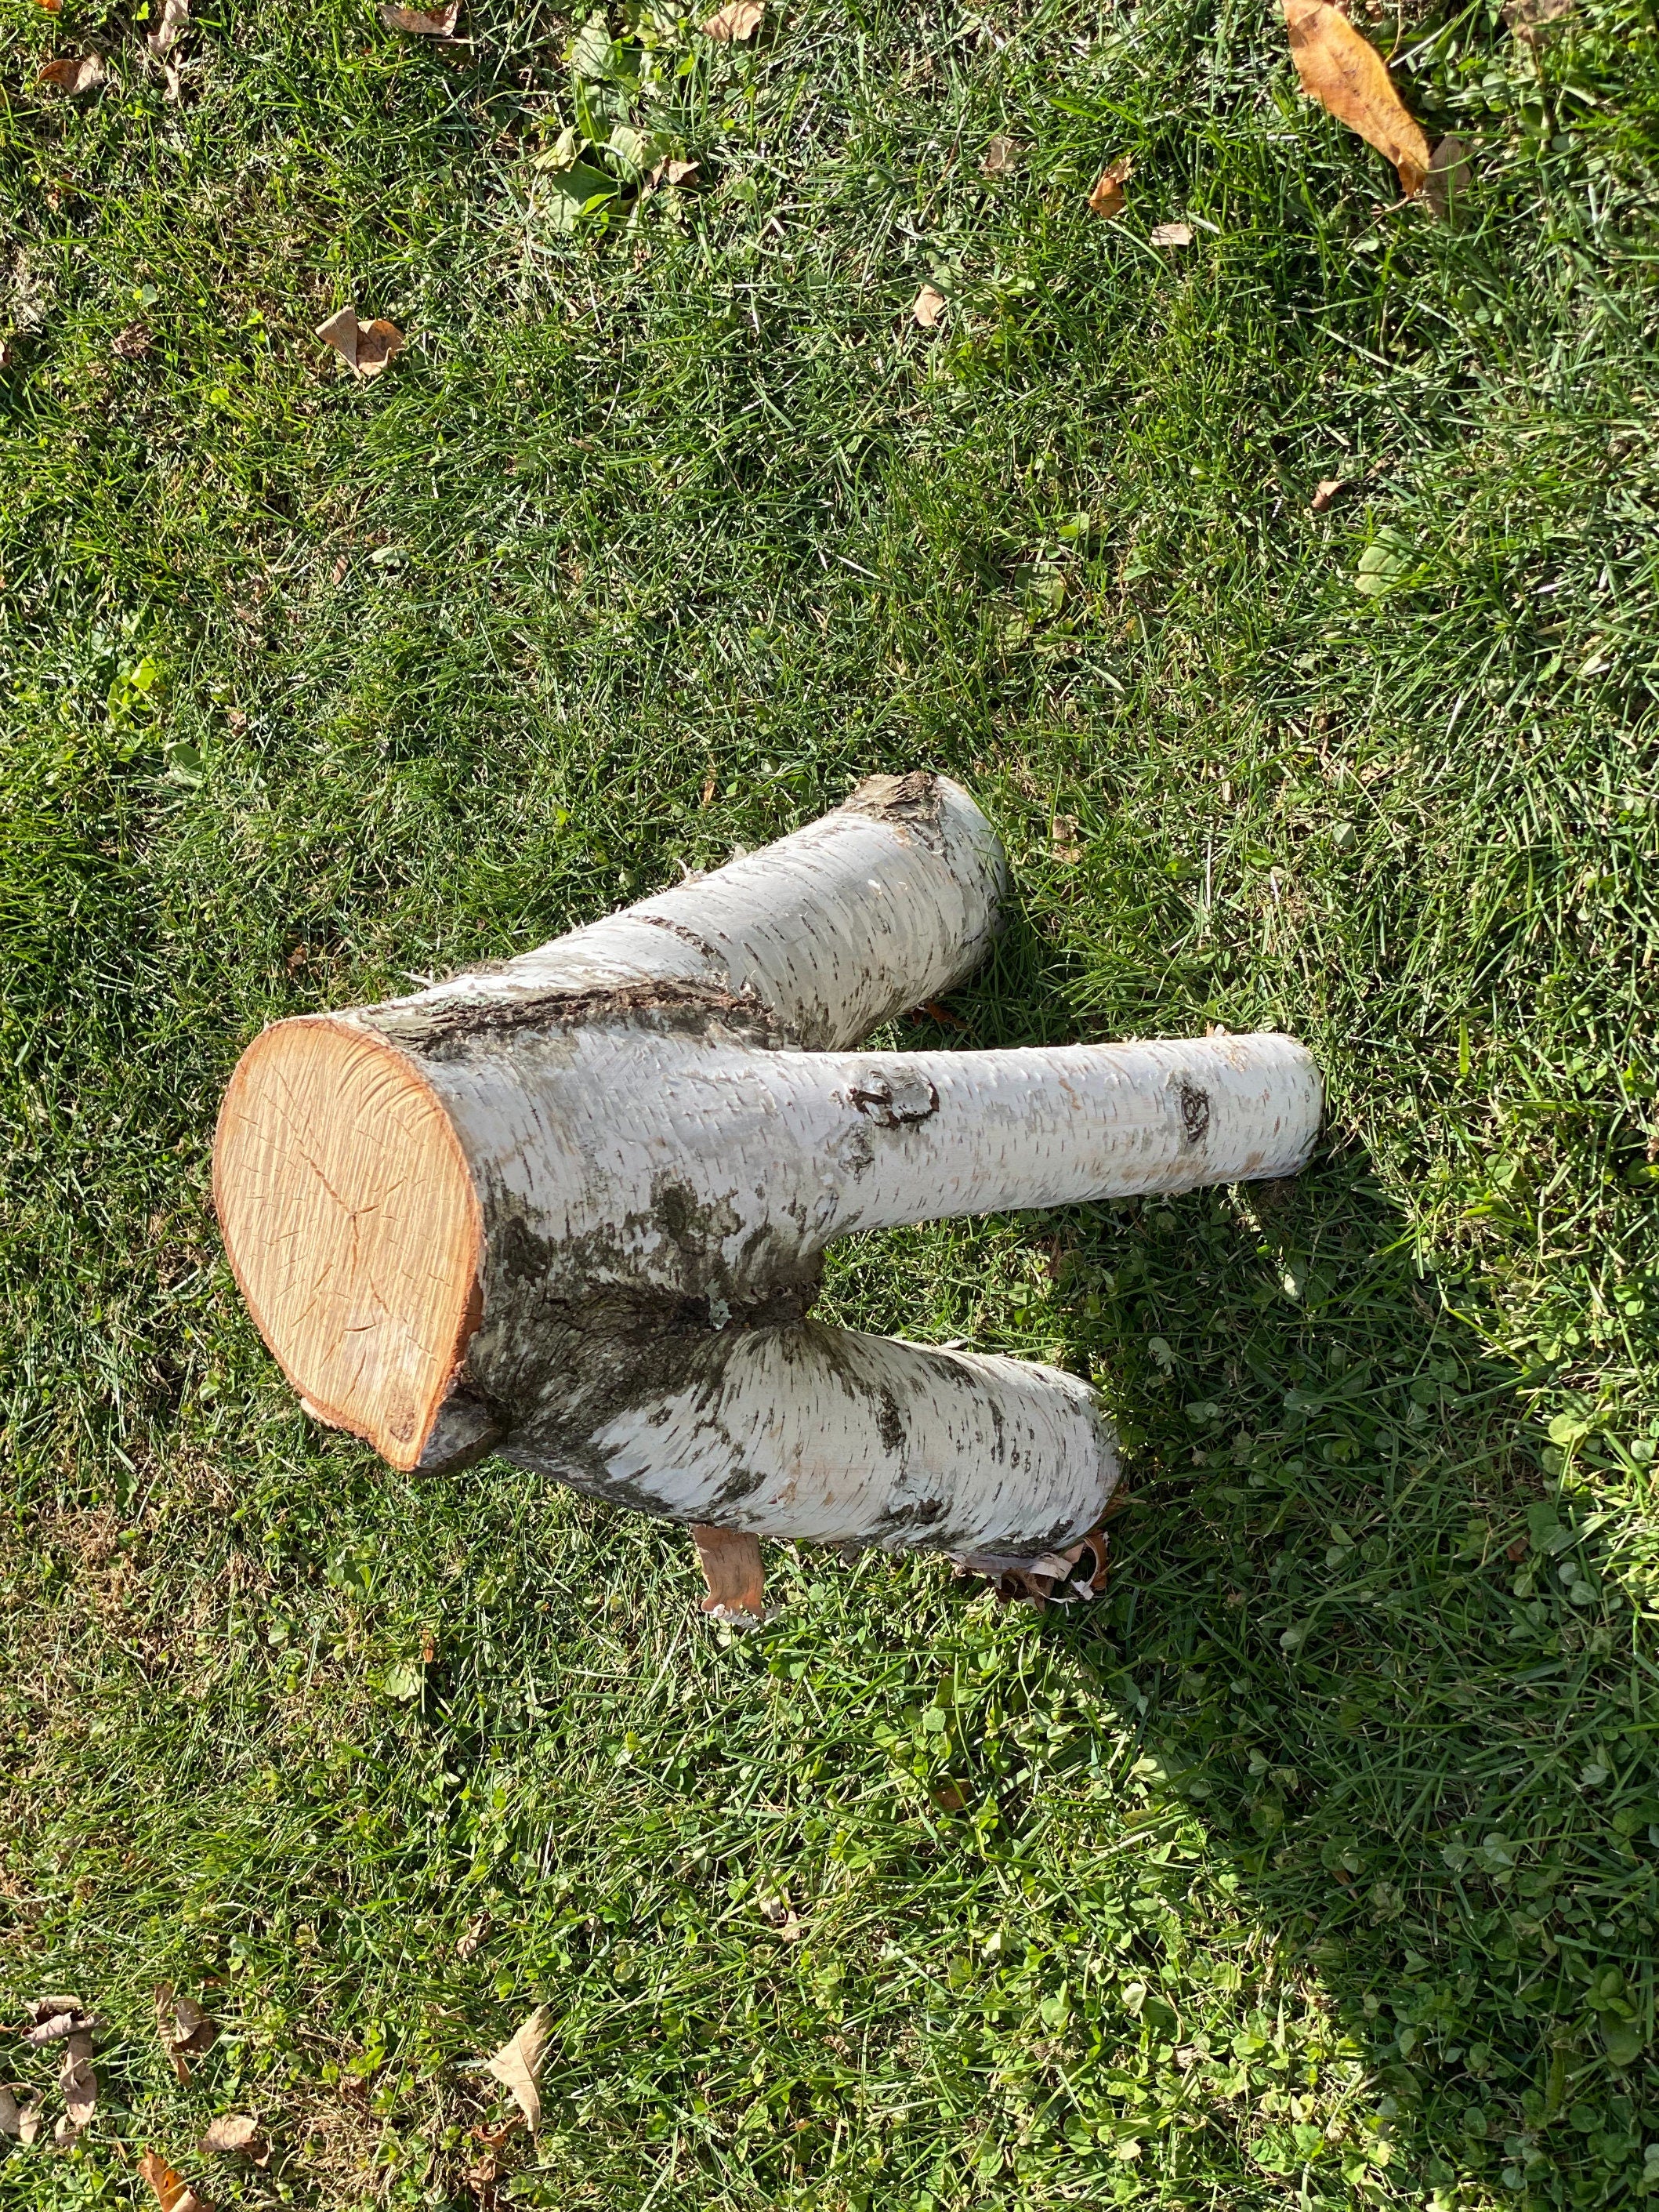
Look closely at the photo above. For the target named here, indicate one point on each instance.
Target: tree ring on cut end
(352, 1225)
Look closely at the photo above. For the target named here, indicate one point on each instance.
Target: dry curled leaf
(673, 172)
(1055, 1578)
(78, 2080)
(236, 2134)
(1324, 492)
(424, 23)
(170, 26)
(184, 2029)
(54, 2020)
(517, 2064)
(1530, 19)
(1171, 233)
(927, 307)
(19, 2114)
(365, 348)
(999, 158)
(74, 73)
(1451, 174)
(736, 21)
(173, 2192)
(730, 1563)
(1344, 73)
(1108, 196)
(472, 1940)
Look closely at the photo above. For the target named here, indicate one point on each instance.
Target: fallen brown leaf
(184, 2029)
(1451, 174)
(950, 1797)
(1063, 837)
(1324, 492)
(674, 172)
(434, 23)
(19, 2114)
(927, 307)
(1171, 233)
(133, 342)
(77, 73)
(471, 1941)
(736, 21)
(1518, 1550)
(517, 2064)
(170, 26)
(236, 2134)
(78, 2080)
(66, 2134)
(730, 1563)
(365, 348)
(1528, 19)
(999, 158)
(173, 2193)
(1344, 73)
(52, 2020)
(1108, 196)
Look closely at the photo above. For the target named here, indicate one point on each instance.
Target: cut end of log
(352, 1225)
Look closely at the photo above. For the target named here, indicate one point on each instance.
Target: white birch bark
(659, 1124)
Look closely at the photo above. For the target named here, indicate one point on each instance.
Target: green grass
(1315, 1868)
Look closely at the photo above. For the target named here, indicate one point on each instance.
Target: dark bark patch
(894, 1100)
(1194, 1113)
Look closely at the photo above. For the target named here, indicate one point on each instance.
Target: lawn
(1316, 1865)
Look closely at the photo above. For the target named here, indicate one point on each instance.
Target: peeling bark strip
(573, 1206)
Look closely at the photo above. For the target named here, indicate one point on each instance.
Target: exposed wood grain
(352, 1225)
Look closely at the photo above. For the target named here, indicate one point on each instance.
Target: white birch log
(575, 1206)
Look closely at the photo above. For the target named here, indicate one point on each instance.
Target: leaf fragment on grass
(1324, 492)
(1108, 196)
(736, 21)
(732, 1567)
(471, 1941)
(52, 2020)
(673, 172)
(927, 307)
(234, 2135)
(19, 2114)
(779, 1914)
(1530, 19)
(365, 348)
(1344, 73)
(78, 2080)
(173, 2192)
(74, 73)
(1063, 837)
(517, 2064)
(1171, 233)
(170, 26)
(1451, 174)
(184, 2029)
(999, 158)
(422, 22)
